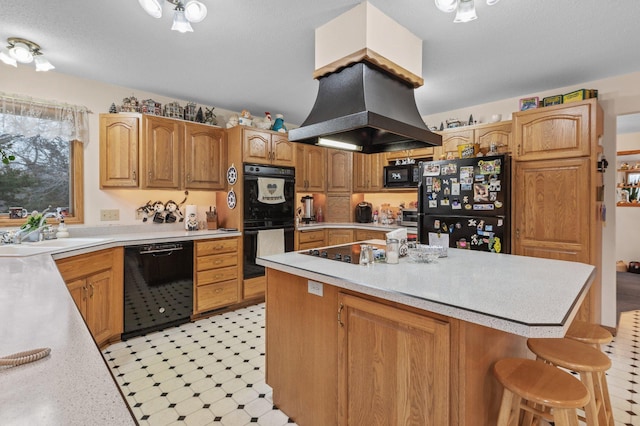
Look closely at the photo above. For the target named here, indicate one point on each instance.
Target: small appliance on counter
(307, 211)
(364, 212)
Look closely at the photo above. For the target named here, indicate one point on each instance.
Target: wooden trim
(373, 58)
(631, 152)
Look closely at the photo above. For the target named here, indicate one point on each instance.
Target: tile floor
(212, 372)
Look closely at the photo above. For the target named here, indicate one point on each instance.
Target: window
(45, 142)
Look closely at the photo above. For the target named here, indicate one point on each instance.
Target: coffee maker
(307, 210)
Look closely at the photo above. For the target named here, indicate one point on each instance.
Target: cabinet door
(78, 290)
(100, 305)
(551, 209)
(376, 164)
(554, 132)
(301, 168)
(256, 147)
(282, 151)
(339, 236)
(338, 170)
(498, 135)
(399, 357)
(161, 156)
(315, 166)
(451, 140)
(119, 136)
(360, 172)
(204, 156)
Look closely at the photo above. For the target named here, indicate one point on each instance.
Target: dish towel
(270, 241)
(271, 190)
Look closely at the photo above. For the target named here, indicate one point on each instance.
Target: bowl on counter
(423, 253)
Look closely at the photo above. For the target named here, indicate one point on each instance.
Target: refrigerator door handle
(420, 213)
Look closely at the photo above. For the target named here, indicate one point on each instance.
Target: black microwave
(401, 176)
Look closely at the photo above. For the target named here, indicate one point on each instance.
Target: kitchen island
(408, 343)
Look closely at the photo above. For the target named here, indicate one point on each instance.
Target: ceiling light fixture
(25, 52)
(465, 9)
(185, 12)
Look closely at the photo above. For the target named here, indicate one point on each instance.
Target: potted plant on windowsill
(30, 230)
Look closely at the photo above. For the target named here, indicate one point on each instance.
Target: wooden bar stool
(531, 384)
(590, 363)
(589, 333)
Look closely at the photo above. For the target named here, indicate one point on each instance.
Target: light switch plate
(315, 287)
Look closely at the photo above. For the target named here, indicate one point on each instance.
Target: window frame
(76, 162)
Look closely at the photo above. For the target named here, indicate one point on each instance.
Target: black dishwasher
(158, 286)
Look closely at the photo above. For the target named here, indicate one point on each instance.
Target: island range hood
(365, 98)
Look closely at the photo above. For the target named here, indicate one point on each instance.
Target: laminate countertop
(73, 385)
(526, 296)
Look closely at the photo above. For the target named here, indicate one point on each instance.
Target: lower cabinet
(339, 236)
(95, 281)
(216, 274)
(367, 234)
(310, 239)
(401, 358)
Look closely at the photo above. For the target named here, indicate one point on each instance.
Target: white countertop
(526, 296)
(73, 385)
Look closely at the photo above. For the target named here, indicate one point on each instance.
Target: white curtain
(31, 117)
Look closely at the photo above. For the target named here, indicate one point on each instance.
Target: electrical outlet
(315, 288)
(109, 215)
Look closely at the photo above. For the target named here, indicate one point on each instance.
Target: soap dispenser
(62, 230)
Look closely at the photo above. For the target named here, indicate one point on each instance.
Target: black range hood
(366, 106)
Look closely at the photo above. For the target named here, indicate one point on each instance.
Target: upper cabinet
(204, 154)
(419, 153)
(560, 131)
(119, 134)
(367, 172)
(160, 149)
(160, 153)
(310, 168)
(487, 136)
(265, 147)
(338, 170)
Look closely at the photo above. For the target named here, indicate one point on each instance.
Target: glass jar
(393, 250)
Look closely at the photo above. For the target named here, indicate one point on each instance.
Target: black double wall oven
(262, 213)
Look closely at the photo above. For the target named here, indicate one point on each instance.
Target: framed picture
(528, 103)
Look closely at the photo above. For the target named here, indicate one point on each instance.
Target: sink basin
(69, 242)
(13, 250)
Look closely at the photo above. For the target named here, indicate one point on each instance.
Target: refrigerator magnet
(498, 204)
(455, 205)
(433, 204)
(436, 224)
(444, 202)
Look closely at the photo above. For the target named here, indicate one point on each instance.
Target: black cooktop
(349, 253)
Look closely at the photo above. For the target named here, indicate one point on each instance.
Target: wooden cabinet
(310, 168)
(557, 194)
(204, 155)
(338, 170)
(366, 234)
(401, 358)
(95, 281)
(161, 153)
(339, 236)
(368, 172)
(310, 239)
(264, 147)
(497, 135)
(561, 131)
(216, 275)
(119, 135)
(169, 153)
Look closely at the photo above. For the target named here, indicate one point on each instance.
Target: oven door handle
(161, 252)
(255, 231)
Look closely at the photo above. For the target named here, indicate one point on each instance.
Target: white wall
(627, 218)
(618, 96)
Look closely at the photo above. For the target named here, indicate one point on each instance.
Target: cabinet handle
(517, 233)
(340, 315)
(134, 175)
(91, 288)
(150, 175)
(84, 292)
(188, 177)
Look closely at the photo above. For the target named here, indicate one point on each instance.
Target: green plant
(33, 222)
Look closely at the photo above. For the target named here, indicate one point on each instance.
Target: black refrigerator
(466, 203)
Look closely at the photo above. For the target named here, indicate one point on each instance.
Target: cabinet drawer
(216, 275)
(308, 236)
(363, 234)
(216, 261)
(216, 295)
(216, 246)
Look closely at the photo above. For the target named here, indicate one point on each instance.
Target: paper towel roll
(191, 217)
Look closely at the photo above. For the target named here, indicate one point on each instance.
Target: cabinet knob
(518, 233)
(134, 175)
(188, 177)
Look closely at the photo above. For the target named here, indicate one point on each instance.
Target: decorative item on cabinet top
(190, 112)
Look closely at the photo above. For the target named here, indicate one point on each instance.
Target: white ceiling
(259, 55)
